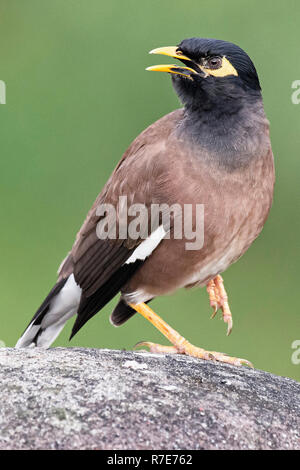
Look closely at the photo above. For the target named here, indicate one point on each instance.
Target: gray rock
(101, 399)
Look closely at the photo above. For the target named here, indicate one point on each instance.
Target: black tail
(89, 306)
(122, 313)
(34, 329)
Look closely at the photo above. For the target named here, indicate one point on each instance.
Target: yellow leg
(218, 299)
(180, 344)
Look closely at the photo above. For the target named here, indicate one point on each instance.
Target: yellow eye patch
(223, 71)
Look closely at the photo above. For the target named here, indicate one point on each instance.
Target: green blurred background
(77, 94)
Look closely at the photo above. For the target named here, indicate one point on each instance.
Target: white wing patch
(147, 246)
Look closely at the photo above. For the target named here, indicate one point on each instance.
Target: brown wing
(97, 264)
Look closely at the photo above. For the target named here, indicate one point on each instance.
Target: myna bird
(214, 152)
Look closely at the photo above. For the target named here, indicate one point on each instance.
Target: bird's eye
(213, 63)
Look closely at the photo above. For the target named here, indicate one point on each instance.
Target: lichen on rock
(73, 398)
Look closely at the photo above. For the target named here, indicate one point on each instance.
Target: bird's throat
(230, 138)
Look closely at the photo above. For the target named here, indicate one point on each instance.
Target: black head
(214, 71)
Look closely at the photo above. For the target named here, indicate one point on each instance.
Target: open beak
(172, 51)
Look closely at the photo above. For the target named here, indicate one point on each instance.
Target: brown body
(236, 205)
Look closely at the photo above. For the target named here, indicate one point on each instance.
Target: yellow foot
(156, 348)
(218, 299)
(180, 344)
(190, 350)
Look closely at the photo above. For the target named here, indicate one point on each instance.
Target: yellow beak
(171, 69)
(171, 51)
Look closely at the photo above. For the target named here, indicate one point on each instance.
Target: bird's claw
(218, 300)
(228, 319)
(215, 308)
(194, 351)
(156, 348)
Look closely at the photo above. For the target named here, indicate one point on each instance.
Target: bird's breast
(235, 207)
